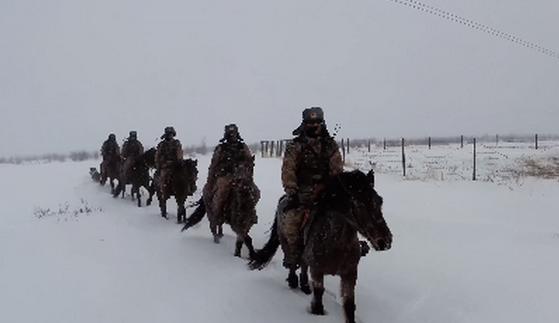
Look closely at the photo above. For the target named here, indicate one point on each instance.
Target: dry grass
(542, 168)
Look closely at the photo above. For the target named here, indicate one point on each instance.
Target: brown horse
(110, 169)
(239, 210)
(349, 206)
(138, 177)
(182, 185)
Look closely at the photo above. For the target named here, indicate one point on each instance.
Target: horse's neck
(332, 225)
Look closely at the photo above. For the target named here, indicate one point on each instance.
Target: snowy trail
(463, 252)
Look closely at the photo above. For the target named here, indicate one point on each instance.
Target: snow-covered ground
(500, 163)
(463, 252)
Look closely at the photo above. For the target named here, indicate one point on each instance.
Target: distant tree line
(273, 148)
(80, 155)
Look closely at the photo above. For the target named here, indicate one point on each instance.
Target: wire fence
(486, 158)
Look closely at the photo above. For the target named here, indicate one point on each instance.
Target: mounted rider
(230, 154)
(310, 160)
(131, 150)
(110, 150)
(169, 154)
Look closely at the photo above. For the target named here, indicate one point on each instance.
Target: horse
(349, 205)
(182, 185)
(138, 177)
(149, 157)
(239, 209)
(110, 169)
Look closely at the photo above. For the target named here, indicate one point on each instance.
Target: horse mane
(340, 189)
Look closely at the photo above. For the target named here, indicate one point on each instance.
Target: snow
(463, 251)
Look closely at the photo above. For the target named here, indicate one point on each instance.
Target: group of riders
(310, 159)
(317, 219)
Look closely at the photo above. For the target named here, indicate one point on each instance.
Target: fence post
(496, 140)
(474, 174)
(262, 148)
(384, 143)
(343, 151)
(536, 142)
(403, 157)
(347, 145)
(429, 142)
(281, 148)
(461, 141)
(369, 145)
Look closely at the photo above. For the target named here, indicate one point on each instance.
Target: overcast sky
(73, 71)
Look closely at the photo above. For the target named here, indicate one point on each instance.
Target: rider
(131, 150)
(110, 152)
(310, 159)
(228, 155)
(169, 153)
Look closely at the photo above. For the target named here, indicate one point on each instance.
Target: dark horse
(110, 169)
(349, 206)
(239, 210)
(138, 177)
(182, 185)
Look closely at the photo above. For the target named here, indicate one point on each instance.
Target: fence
(447, 156)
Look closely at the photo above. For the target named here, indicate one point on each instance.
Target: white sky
(73, 71)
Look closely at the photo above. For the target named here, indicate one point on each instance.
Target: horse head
(149, 157)
(188, 171)
(365, 207)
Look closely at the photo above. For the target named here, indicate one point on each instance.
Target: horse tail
(263, 256)
(196, 216)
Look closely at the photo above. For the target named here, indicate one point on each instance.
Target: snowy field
(463, 252)
(505, 162)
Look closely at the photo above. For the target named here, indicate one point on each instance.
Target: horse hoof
(293, 281)
(216, 239)
(317, 309)
(237, 254)
(306, 289)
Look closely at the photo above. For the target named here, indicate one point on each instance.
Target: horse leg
(103, 175)
(112, 183)
(317, 307)
(220, 230)
(181, 213)
(163, 207)
(304, 280)
(123, 190)
(117, 191)
(238, 246)
(139, 197)
(215, 232)
(348, 295)
(292, 279)
(151, 191)
(248, 243)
